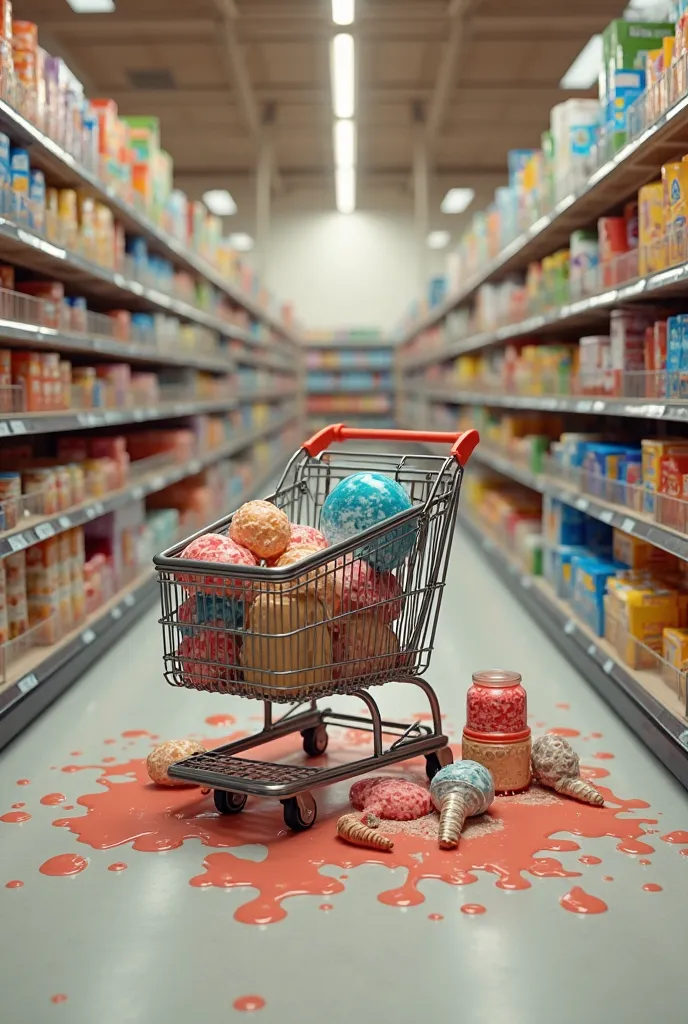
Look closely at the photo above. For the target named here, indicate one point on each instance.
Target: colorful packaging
(675, 182)
(652, 253)
(10, 494)
(20, 184)
(588, 587)
(15, 581)
(675, 655)
(640, 554)
(26, 373)
(37, 201)
(674, 356)
(653, 451)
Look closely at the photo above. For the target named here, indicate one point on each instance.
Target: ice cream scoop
(460, 791)
(556, 764)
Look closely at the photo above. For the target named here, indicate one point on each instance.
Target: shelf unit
(259, 359)
(44, 673)
(426, 381)
(61, 167)
(639, 698)
(350, 377)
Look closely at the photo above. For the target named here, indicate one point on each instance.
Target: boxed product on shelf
(675, 659)
(589, 577)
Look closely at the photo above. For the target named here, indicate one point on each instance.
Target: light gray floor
(145, 946)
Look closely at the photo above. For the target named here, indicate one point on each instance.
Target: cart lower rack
(328, 625)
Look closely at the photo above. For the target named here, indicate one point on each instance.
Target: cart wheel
(435, 762)
(315, 740)
(300, 812)
(229, 803)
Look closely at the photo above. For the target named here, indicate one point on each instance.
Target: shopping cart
(328, 625)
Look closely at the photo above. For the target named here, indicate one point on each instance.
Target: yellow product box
(640, 554)
(653, 451)
(645, 613)
(675, 654)
(675, 182)
(651, 228)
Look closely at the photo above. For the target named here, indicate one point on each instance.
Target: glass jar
(506, 756)
(496, 702)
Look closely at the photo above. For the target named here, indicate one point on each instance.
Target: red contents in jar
(496, 702)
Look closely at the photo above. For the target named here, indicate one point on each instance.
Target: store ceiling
(215, 70)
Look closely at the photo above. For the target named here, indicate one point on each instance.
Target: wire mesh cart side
(336, 623)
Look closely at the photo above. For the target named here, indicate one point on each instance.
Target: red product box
(672, 498)
(26, 371)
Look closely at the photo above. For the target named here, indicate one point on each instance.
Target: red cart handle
(462, 444)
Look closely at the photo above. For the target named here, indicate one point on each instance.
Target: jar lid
(497, 737)
(497, 677)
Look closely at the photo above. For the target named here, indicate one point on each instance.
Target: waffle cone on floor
(455, 808)
(580, 789)
(354, 831)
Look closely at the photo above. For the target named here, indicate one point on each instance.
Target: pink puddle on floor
(512, 843)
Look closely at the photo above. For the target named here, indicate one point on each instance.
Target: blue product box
(625, 87)
(683, 372)
(138, 250)
(588, 587)
(516, 162)
(568, 524)
(596, 465)
(562, 556)
(616, 469)
(37, 197)
(674, 354)
(5, 179)
(437, 291)
(20, 184)
(597, 536)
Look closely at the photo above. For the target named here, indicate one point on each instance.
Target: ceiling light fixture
(438, 239)
(92, 6)
(586, 68)
(343, 75)
(345, 189)
(220, 202)
(457, 200)
(241, 241)
(344, 144)
(343, 12)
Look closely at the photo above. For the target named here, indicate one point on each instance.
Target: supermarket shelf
(588, 313)
(369, 389)
(626, 519)
(128, 352)
(641, 699)
(22, 423)
(41, 527)
(63, 168)
(44, 673)
(635, 408)
(350, 343)
(632, 167)
(26, 249)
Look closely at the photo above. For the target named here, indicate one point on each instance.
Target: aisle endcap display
(349, 376)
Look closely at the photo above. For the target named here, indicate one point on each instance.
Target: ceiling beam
(446, 74)
(236, 64)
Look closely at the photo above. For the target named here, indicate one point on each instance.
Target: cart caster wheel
(435, 762)
(315, 740)
(300, 812)
(229, 803)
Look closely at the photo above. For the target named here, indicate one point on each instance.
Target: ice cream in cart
(337, 621)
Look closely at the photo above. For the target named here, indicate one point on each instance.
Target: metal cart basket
(330, 624)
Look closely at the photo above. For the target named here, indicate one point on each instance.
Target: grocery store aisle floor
(105, 927)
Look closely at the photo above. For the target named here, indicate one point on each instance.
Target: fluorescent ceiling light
(92, 6)
(220, 202)
(345, 189)
(343, 11)
(241, 241)
(343, 75)
(438, 239)
(344, 144)
(457, 200)
(586, 68)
